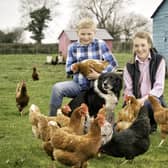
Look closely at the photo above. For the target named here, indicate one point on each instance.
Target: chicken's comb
(66, 109)
(84, 107)
(127, 98)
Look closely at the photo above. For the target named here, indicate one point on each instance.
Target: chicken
(45, 130)
(77, 120)
(34, 113)
(35, 74)
(84, 66)
(40, 121)
(76, 150)
(127, 114)
(61, 119)
(75, 126)
(22, 97)
(161, 117)
(132, 141)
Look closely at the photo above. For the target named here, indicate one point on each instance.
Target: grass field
(18, 148)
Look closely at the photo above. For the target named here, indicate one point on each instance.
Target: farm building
(68, 36)
(160, 28)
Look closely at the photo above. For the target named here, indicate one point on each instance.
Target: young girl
(87, 47)
(146, 74)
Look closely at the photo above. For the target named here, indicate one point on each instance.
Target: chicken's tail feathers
(53, 124)
(34, 108)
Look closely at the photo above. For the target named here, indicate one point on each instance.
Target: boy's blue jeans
(60, 90)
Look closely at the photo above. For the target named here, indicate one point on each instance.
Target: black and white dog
(106, 91)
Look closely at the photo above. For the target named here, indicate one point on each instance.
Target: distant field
(18, 148)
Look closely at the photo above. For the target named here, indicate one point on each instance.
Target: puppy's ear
(118, 86)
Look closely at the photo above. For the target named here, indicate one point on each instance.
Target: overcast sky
(10, 16)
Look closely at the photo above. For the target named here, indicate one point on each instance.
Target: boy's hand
(93, 74)
(74, 68)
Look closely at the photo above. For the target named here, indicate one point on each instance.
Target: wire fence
(18, 48)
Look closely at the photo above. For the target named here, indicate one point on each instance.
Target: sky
(10, 15)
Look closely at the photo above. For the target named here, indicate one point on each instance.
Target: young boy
(87, 47)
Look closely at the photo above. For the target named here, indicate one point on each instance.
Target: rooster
(161, 117)
(35, 74)
(84, 66)
(128, 114)
(76, 150)
(22, 97)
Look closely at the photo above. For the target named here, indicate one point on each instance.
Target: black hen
(132, 141)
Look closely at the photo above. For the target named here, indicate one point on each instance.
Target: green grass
(18, 148)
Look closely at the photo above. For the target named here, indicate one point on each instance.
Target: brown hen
(128, 114)
(76, 150)
(39, 122)
(161, 117)
(84, 66)
(22, 97)
(75, 126)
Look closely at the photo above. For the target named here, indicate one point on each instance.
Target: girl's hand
(142, 100)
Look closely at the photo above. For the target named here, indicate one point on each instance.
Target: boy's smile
(86, 35)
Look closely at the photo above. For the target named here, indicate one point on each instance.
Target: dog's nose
(105, 84)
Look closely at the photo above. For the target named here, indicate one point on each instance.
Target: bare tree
(111, 15)
(101, 10)
(114, 26)
(132, 23)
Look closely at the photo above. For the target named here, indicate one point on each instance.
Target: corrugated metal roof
(100, 34)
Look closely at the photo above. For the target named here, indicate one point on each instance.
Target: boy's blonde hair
(86, 23)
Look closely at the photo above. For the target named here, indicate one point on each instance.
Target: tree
(12, 36)
(38, 23)
(111, 15)
(102, 10)
(132, 23)
(27, 7)
(114, 26)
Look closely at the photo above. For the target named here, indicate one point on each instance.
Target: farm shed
(160, 28)
(68, 36)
